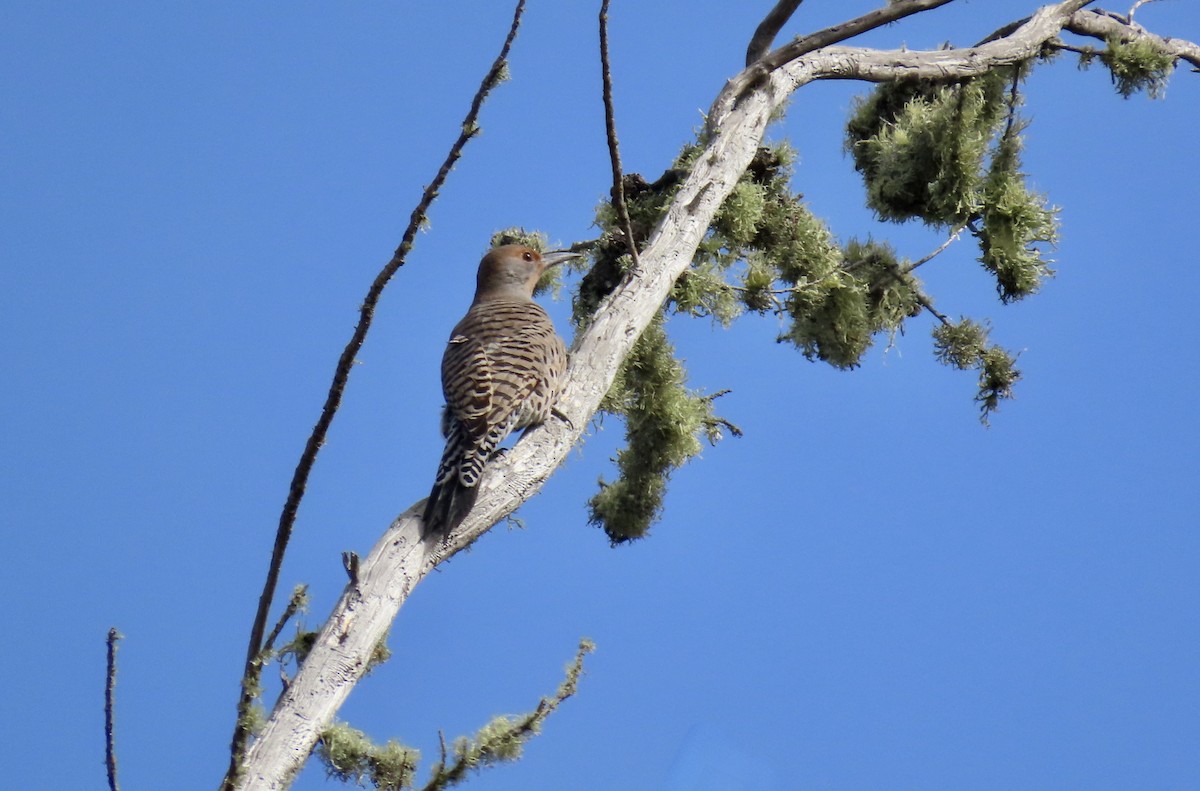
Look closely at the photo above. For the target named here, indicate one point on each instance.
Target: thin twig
(610, 127)
(1014, 98)
(928, 305)
(287, 518)
(1061, 45)
(941, 248)
(110, 687)
(1136, 6)
(442, 745)
(768, 29)
(299, 600)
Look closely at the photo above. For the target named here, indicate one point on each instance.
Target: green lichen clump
(1015, 225)
(1138, 65)
(664, 419)
(765, 252)
(948, 156)
(920, 147)
(504, 737)
(350, 756)
(663, 422)
(964, 345)
(870, 293)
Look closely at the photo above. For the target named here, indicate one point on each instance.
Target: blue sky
(868, 590)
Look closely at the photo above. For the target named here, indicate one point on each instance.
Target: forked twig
(802, 45)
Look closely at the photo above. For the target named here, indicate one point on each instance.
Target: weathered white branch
(400, 560)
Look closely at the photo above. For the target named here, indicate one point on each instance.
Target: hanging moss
(997, 375)
(758, 285)
(831, 324)
(703, 291)
(1138, 65)
(891, 291)
(836, 319)
(663, 421)
(920, 147)
(959, 344)
(1014, 223)
(963, 345)
(795, 243)
(349, 754)
(741, 214)
(299, 646)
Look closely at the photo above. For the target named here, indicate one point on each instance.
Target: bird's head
(513, 271)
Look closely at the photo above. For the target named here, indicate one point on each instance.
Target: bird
(502, 370)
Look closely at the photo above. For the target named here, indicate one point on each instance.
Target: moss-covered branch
(504, 738)
(351, 756)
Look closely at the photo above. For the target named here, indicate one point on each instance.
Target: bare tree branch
(927, 303)
(110, 688)
(768, 29)
(610, 128)
(798, 47)
(398, 562)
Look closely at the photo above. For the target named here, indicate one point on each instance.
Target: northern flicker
(502, 370)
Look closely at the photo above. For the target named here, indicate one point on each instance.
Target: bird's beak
(556, 257)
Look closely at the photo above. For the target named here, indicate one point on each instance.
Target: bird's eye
(528, 256)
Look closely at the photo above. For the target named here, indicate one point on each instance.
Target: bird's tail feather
(453, 493)
(448, 504)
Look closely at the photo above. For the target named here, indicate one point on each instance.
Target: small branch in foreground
(110, 687)
(768, 29)
(610, 126)
(287, 518)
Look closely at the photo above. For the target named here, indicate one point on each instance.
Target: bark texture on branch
(386, 577)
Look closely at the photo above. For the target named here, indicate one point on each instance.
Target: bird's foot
(554, 411)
